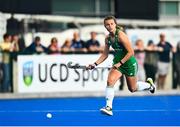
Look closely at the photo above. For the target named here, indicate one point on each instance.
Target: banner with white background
(49, 73)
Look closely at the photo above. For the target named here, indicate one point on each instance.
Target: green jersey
(130, 67)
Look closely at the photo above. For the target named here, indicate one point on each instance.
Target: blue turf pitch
(129, 111)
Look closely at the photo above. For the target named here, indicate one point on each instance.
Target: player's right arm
(104, 54)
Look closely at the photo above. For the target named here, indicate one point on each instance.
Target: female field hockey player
(124, 62)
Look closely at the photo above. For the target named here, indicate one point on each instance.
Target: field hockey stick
(77, 66)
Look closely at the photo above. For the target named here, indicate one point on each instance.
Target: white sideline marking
(139, 110)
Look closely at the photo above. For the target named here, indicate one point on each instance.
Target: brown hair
(54, 39)
(110, 17)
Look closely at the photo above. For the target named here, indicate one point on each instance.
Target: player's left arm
(127, 44)
(123, 38)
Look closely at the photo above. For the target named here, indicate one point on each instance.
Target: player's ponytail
(119, 28)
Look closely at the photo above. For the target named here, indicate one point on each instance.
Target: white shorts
(163, 68)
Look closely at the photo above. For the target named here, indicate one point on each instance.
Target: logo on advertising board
(28, 73)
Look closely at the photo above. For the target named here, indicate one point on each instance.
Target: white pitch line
(139, 110)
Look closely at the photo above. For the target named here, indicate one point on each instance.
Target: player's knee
(132, 89)
(110, 82)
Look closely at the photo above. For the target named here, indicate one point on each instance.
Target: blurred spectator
(93, 44)
(6, 47)
(77, 43)
(164, 60)
(121, 85)
(15, 43)
(15, 46)
(66, 47)
(36, 47)
(53, 47)
(6, 44)
(21, 43)
(18, 46)
(150, 62)
(177, 67)
(140, 56)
